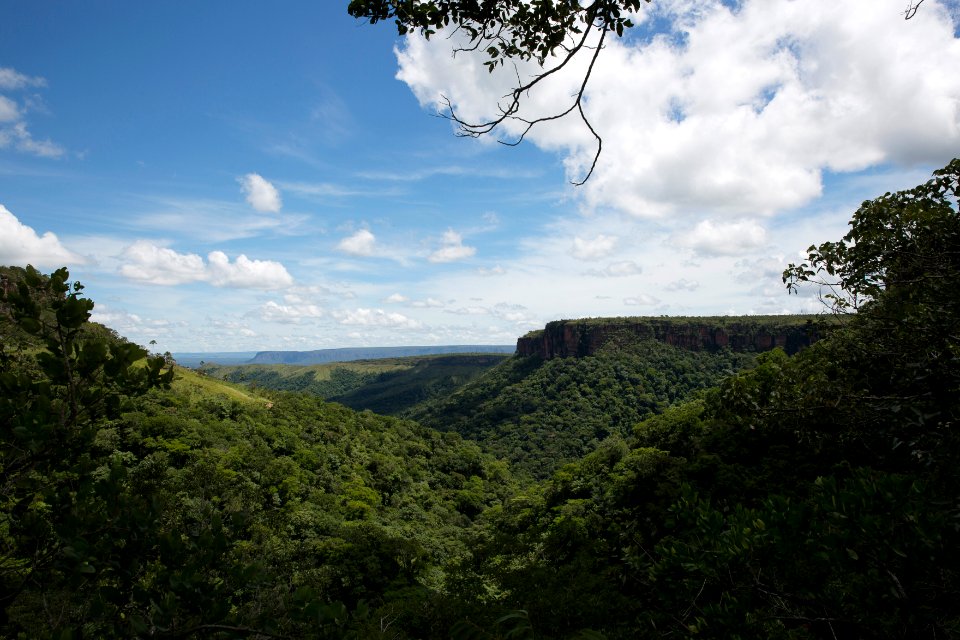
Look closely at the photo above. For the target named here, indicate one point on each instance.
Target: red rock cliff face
(577, 338)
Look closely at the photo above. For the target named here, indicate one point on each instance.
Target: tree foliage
(130, 510)
(541, 414)
(907, 243)
(813, 496)
(387, 386)
(810, 496)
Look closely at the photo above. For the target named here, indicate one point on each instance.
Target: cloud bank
(20, 245)
(736, 110)
(146, 262)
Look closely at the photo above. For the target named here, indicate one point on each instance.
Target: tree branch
(912, 9)
(475, 130)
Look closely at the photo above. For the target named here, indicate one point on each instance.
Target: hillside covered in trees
(540, 414)
(387, 385)
(806, 496)
(548, 405)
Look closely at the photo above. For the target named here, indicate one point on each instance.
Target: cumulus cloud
(711, 238)
(600, 247)
(452, 248)
(396, 298)
(813, 91)
(261, 194)
(20, 245)
(146, 262)
(244, 273)
(376, 318)
(359, 244)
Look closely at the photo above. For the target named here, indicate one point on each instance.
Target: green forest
(643, 491)
(388, 385)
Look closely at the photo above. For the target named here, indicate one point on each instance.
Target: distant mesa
(323, 356)
(575, 338)
(579, 338)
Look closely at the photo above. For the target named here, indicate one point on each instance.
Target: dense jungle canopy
(808, 496)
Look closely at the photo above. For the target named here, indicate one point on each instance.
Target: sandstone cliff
(566, 338)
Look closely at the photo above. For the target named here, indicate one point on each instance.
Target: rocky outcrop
(577, 338)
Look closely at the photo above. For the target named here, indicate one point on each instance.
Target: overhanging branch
(912, 8)
(509, 112)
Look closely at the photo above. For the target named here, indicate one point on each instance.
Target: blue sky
(242, 176)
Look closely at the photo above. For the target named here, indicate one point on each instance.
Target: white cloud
(302, 293)
(492, 271)
(376, 318)
(515, 313)
(452, 248)
(813, 91)
(149, 263)
(600, 247)
(617, 270)
(396, 298)
(359, 244)
(9, 111)
(261, 195)
(104, 315)
(229, 328)
(11, 79)
(469, 311)
(428, 303)
(642, 300)
(19, 137)
(20, 245)
(710, 238)
(133, 325)
(683, 285)
(245, 273)
(13, 126)
(288, 313)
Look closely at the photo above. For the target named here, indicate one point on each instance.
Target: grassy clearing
(191, 383)
(320, 372)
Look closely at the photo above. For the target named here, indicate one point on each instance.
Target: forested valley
(643, 491)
